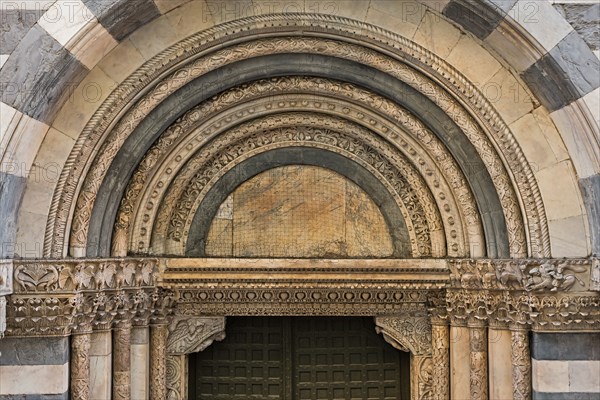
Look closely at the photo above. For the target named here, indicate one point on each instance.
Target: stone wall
(565, 366)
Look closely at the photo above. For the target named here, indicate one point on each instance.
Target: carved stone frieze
(192, 334)
(541, 312)
(410, 333)
(531, 275)
(95, 131)
(57, 297)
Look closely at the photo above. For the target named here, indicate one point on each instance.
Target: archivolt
(407, 134)
(95, 137)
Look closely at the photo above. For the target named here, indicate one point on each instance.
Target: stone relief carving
(407, 333)
(521, 360)
(404, 181)
(332, 89)
(192, 334)
(64, 296)
(531, 275)
(83, 147)
(80, 367)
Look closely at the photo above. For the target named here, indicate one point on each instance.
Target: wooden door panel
(314, 358)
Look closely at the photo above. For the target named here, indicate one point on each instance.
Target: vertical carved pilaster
(80, 366)
(440, 337)
(521, 365)
(158, 362)
(177, 371)
(479, 363)
(122, 362)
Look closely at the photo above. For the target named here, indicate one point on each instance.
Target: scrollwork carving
(407, 333)
(192, 334)
(521, 365)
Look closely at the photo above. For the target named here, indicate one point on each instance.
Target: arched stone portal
(476, 218)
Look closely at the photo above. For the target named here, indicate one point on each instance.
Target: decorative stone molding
(404, 49)
(327, 97)
(595, 279)
(521, 365)
(441, 361)
(192, 334)
(411, 332)
(531, 275)
(540, 312)
(407, 333)
(80, 366)
(158, 362)
(479, 362)
(6, 288)
(75, 296)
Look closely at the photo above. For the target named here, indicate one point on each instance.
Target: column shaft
(158, 362)
(521, 365)
(80, 366)
(440, 335)
(122, 362)
(478, 362)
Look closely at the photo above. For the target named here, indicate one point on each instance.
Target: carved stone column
(80, 366)
(158, 362)
(521, 365)
(478, 362)
(121, 388)
(440, 338)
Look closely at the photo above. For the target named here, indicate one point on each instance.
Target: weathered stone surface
(15, 24)
(581, 66)
(549, 82)
(565, 346)
(12, 188)
(39, 87)
(590, 189)
(121, 18)
(479, 18)
(584, 18)
(34, 351)
(300, 211)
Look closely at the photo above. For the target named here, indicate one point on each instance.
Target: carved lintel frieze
(531, 275)
(192, 334)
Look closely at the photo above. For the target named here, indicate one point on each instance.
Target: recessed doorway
(300, 358)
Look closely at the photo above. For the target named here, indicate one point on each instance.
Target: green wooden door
(314, 358)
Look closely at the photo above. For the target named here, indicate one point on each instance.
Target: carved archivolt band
(453, 198)
(97, 127)
(177, 208)
(462, 222)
